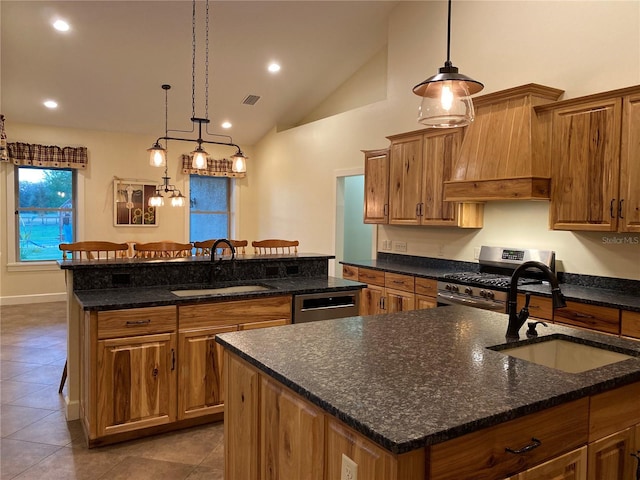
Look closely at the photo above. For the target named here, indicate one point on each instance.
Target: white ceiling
(106, 72)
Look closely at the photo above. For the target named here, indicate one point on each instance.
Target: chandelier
(446, 96)
(158, 153)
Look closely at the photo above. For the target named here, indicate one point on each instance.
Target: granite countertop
(117, 298)
(436, 268)
(412, 379)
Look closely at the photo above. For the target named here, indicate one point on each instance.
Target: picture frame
(131, 203)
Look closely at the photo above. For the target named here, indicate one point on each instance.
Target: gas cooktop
(487, 279)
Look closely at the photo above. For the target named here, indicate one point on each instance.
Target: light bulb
(156, 201)
(446, 97)
(199, 158)
(239, 164)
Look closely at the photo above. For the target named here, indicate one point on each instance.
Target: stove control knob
(454, 288)
(468, 290)
(490, 295)
(447, 287)
(483, 293)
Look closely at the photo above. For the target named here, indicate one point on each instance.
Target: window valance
(4, 154)
(215, 168)
(50, 156)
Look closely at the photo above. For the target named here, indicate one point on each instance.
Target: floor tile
(47, 398)
(17, 456)
(144, 469)
(206, 473)
(44, 374)
(14, 418)
(9, 369)
(10, 390)
(52, 430)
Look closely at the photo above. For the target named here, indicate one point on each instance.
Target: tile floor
(38, 443)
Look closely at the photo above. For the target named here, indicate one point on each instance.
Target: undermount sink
(199, 292)
(564, 353)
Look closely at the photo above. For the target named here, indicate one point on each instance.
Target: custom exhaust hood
(502, 154)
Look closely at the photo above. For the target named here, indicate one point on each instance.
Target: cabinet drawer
(264, 324)
(374, 277)
(396, 281)
(426, 286)
(483, 454)
(539, 307)
(614, 410)
(136, 321)
(234, 312)
(349, 272)
(603, 319)
(630, 323)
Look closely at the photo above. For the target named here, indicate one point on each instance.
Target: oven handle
(456, 300)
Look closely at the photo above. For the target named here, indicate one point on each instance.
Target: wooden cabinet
(405, 179)
(539, 307)
(630, 323)
(493, 452)
(426, 293)
(593, 146)
(350, 273)
(200, 380)
(610, 457)
(128, 370)
(594, 317)
(570, 466)
(288, 420)
(376, 186)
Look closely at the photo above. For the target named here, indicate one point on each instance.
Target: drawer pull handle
(399, 282)
(135, 323)
(535, 443)
(534, 307)
(583, 315)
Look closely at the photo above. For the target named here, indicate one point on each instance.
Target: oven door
(447, 298)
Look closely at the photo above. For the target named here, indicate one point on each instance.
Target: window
(45, 212)
(209, 212)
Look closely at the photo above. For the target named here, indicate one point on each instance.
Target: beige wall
(580, 46)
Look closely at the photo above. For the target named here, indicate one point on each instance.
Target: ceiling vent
(250, 99)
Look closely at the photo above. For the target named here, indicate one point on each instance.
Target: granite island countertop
(120, 298)
(412, 379)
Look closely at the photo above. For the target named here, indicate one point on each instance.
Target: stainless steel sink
(564, 353)
(199, 292)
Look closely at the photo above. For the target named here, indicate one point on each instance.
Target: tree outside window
(45, 214)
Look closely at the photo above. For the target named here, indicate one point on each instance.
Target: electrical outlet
(400, 246)
(476, 253)
(349, 469)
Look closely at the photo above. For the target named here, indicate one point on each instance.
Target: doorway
(354, 239)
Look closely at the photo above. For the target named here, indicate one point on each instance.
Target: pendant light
(446, 96)
(158, 153)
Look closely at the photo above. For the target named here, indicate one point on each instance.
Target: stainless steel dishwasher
(324, 306)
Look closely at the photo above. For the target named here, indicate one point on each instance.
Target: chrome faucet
(516, 320)
(222, 241)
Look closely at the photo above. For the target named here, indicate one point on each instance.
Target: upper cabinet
(593, 145)
(376, 186)
(500, 157)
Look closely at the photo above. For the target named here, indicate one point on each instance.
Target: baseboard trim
(38, 298)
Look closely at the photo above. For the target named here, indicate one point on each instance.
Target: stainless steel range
(487, 288)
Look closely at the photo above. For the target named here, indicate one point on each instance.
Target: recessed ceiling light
(50, 104)
(61, 25)
(226, 125)
(273, 67)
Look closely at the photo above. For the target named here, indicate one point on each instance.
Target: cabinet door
(200, 388)
(594, 317)
(540, 308)
(136, 382)
(398, 301)
(423, 302)
(441, 148)
(373, 462)
(610, 457)
(405, 180)
(376, 186)
(570, 466)
(630, 323)
(585, 166)
(629, 204)
(371, 300)
(291, 435)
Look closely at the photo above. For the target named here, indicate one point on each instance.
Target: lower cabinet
(570, 466)
(610, 457)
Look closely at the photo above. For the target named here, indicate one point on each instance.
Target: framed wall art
(131, 203)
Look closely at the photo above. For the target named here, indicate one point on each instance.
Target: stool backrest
(93, 250)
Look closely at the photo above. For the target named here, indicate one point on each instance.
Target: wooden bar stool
(204, 247)
(271, 246)
(165, 249)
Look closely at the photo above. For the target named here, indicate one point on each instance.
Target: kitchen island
(141, 352)
(418, 395)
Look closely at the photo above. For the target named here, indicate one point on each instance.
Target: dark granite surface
(117, 298)
(603, 291)
(412, 379)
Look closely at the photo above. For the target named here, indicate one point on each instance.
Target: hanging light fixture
(446, 96)
(158, 153)
(159, 158)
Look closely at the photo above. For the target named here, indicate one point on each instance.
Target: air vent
(250, 99)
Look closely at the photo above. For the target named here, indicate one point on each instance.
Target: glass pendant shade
(199, 158)
(446, 104)
(157, 156)
(177, 199)
(239, 164)
(157, 200)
